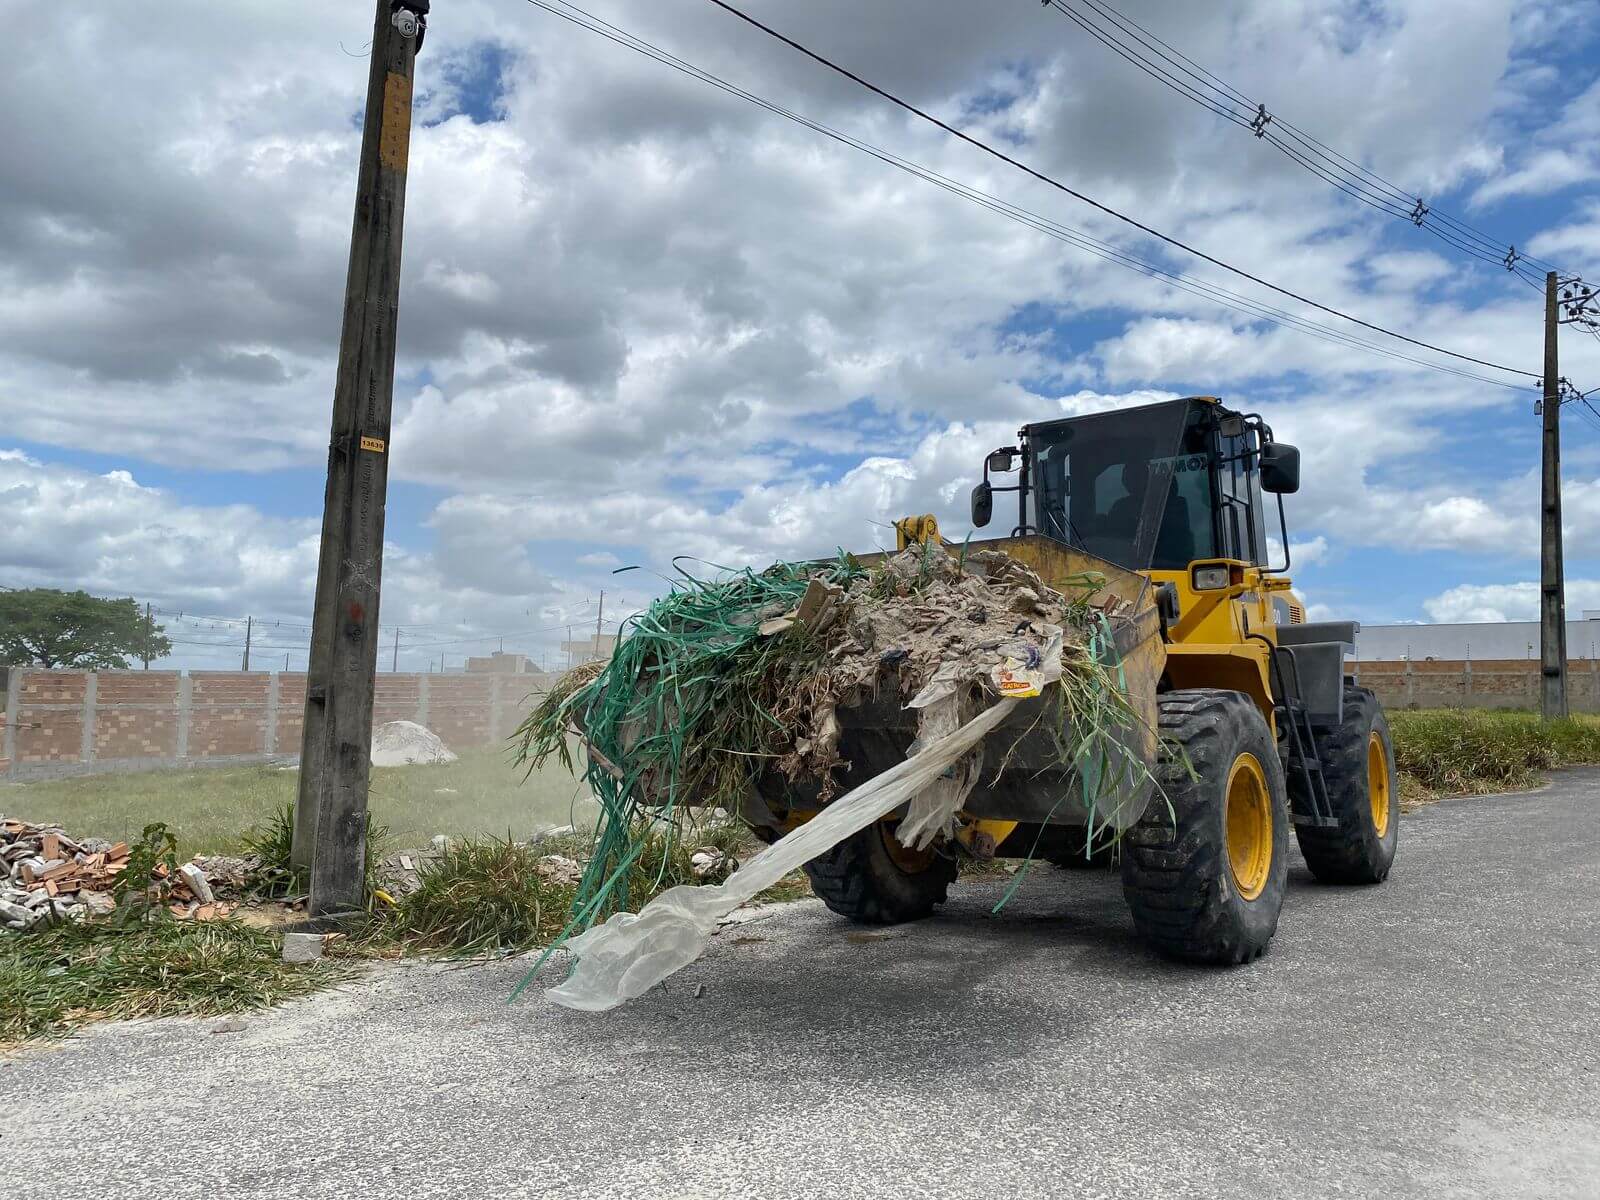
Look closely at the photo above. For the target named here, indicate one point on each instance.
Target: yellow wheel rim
(1248, 817)
(1378, 783)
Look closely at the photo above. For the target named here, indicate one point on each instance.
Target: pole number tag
(376, 445)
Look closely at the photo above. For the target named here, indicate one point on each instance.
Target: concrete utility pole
(395, 665)
(1552, 576)
(335, 757)
(249, 625)
(148, 632)
(599, 620)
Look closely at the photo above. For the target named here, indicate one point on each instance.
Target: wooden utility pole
(599, 620)
(249, 625)
(335, 757)
(1552, 576)
(395, 665)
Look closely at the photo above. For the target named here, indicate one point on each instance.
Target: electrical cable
(1220, 97)
(1212, 293)
(1107, 209)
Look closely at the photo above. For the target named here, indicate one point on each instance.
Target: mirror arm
(1283, 532)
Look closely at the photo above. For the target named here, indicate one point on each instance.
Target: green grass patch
(1450, 752)
(209, 810)
(56, 979)
(481, 895)
(487, 895)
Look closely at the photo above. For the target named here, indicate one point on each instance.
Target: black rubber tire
(1176, 874)
(1354, 852)
(858, 879)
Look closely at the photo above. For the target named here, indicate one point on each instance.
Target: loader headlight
(1209, 579)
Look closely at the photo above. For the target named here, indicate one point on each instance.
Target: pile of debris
(407, 744)
(45, 874)
(48, 874)
(725, 679)
(931, 624)
(193, 894)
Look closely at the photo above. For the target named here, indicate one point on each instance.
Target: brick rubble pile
(45, 873)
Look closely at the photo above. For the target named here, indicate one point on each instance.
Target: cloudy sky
(641, 318)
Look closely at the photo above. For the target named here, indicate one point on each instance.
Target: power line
(1207, 291)
(1077, 195)
(489, 637)
(1148, 52)
(1327, 165)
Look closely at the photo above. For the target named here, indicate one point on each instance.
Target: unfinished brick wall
(62, 722)
(136, 714)
(227, 714)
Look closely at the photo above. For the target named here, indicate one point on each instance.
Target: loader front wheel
(1358, 766)
(1205, 877)
(873, 880)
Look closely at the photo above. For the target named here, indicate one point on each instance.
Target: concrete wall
(80, 722)
(1489, 683)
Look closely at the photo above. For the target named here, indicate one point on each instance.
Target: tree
(41, 627)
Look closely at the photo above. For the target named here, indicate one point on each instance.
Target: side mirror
(982, 504)
(1000, 461)
(1280, 468)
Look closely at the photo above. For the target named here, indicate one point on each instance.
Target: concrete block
(302, 947)
(14, 914)
(198, 884)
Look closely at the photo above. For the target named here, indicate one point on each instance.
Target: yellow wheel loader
(1250, 727)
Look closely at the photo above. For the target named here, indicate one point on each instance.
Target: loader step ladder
(1315, 807)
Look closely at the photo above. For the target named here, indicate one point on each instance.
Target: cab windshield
(1141, 487)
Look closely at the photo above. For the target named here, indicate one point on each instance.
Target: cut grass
(1455, 752)
(54, 980)
(210, 809)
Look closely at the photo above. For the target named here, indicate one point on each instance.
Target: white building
(1476, 640)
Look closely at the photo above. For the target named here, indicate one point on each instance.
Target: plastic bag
(632, 952)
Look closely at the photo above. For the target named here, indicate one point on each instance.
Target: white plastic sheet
(632, 952)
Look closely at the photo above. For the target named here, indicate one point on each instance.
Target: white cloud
(1508, 601)
(641, 315)
(110, 535)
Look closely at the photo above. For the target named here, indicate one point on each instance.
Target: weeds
(1448, 752)
(143, 888)
(484, 896)
(56, 979)
(272, 845)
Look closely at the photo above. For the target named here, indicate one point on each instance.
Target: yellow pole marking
(394, 140)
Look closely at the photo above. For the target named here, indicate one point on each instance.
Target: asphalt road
(1435, 1037)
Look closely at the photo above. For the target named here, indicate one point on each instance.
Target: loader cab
(1153, 488)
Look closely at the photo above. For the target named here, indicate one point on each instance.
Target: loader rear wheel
(1205, 880)
(1358, 765)
(873, 880)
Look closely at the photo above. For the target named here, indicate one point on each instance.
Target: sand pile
(406, 744)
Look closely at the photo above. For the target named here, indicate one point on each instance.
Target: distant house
(500, 663)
